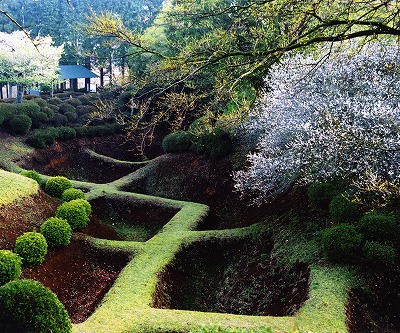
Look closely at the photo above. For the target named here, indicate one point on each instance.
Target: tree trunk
(101, 77)
(20, 92)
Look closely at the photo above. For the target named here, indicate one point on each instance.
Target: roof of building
(75, 72)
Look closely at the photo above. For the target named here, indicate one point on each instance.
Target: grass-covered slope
(15, 187)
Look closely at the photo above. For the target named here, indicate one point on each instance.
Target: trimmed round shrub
(20, 123)
(85, 109)
(54, 107)
(71, 116)
(38, 119)
(48, 111)
(340, 243)
(72, 194)
(81, 131)
(65, 133)
(377, 226)
(84, 100)
(65, 107)
(177, 142)
(342, 210)
(59, 120)
(10, 266)
(55, 186)
(54, 101)
(28, 306)
(41, 102)
(83, 203)
(321, 194)
(42, 138)
(31, 247)
(57, 231)
(74, 102)
(33, 175)
(379, 254)
(74, 213)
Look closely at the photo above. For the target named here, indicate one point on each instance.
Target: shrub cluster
(20, 123)
(216, 144)
(33, 175)
(27, 306)
(55, 186)
(57, 232)
(341, 243)
(10, 266)
(76, 213)
(377, 226)
(72, 194)
(342, 209)
(378, 254)
(31, 247)
(178, 142)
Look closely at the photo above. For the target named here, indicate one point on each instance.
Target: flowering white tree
(338, 117)
(27, 62)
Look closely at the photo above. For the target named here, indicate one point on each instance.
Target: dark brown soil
(233, 276)
(27, 215)
(69, 159)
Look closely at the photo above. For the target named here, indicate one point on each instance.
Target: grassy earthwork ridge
(127, 306)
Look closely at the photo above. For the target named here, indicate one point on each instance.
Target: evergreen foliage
(27, 306)
(10, 266)
(31, 247)
(55, 186)
(56, 231)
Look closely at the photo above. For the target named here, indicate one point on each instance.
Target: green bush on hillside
(33, 175)
(75, 213)
(74, 102)
(49, 112)
(10, 266)
(71, 116)
(42, 138)
(59, 120)
(177, 142)
(341, 243)
(377, 226)
(66, 107)
(27, 306)
(54, 101)
(216, 144)
(378, 254)
(31, 247)
(39, 119)
(57, 231)
(65, 133)
(342, 210)
(41, 102)
(321, 194)
(20, 123)
(72, 194)
(55, 186)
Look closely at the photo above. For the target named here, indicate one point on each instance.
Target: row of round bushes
(370, 236)
(25, 305)
(42, 138)
(216, 144)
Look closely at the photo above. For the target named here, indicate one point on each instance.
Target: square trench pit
(232, 276)
(128, 218)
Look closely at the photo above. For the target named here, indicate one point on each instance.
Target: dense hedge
(20, 123)
(57, 231)
(377, 226)
(343, 210)
(10, 266)
(33, 175)
(341, 243)
(75, 213)
(27, 306)
(31, 247)
(321, 194)
(177, 142)
(72, 194)
(55, 186)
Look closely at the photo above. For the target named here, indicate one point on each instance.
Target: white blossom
(322, 119)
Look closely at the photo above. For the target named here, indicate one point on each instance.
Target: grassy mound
(14, 187)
